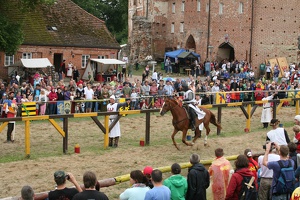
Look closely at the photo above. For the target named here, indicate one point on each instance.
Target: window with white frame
(84, 60)
(221, 8)
(241, 8)
(173, 8)
(198, 5)
(181, 27)
(27, 55)
(207, 7)
(172, 27)
(182, 6)
(101, 57)
(9, 60)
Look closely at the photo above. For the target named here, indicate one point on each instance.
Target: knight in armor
(193, 109)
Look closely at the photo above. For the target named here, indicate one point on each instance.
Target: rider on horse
(189, 98)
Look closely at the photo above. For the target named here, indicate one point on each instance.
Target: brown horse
(181, 121)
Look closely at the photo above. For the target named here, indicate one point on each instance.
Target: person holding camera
(62, 192)
(277, 134)
(276, 166)
(266, 176)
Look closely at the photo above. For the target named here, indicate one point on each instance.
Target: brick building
(244, 30)
(60, 31)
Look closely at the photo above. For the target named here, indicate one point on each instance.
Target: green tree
(113, 12)
(11, 35)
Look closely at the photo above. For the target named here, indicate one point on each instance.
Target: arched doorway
(190, 43)
(226, 51)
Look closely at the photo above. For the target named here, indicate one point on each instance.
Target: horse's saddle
(186, 109)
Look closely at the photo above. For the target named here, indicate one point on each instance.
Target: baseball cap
(297, 117)
(147, 170)
(59, 174)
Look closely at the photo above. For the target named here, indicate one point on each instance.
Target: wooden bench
(188, 71)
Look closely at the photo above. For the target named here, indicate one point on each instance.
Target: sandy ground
(47, 157)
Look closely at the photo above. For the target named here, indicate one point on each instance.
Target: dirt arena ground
(47, 157)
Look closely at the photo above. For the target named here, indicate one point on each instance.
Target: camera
(67, 177)
(272, 146)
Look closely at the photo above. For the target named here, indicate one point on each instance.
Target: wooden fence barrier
(248, 112)
(123, 178)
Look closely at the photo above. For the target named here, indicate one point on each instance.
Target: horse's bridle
(174, 106)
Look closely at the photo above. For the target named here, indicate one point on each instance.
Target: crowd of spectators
(230, 81)
(262, 172)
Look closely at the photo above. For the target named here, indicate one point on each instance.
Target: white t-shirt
(266, 172)
(134, 96)
(277, 135)
(89, 94)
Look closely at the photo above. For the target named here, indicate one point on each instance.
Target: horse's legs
(198, 134)
(206, 125)
(183, 139)
(173, 138)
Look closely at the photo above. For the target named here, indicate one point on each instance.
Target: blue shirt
(274, 165)
(158, 193)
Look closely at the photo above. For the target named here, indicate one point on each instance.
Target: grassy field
(47, 157)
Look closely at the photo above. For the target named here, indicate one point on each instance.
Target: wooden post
(65, 139)
(248, 124)
(274, 109)
(219, 119)
(147, 136)
(106, 135)
(27, 138)
(297, 107)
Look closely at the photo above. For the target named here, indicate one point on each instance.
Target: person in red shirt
(10, 108)
(52, 101)
(253, 165)
(296, 140)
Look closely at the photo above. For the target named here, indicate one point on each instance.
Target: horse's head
(167, 106)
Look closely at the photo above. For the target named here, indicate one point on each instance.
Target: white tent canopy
(33, 63)
(101, 66)
(109, 61)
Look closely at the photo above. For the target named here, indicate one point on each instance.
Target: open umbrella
(169, 79)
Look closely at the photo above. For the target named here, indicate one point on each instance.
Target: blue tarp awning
(174, 54)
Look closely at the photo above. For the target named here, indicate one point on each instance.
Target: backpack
(248, 193)
(285, 182)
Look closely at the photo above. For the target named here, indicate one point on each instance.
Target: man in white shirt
(277, 134)
(266, 175)
(154, 76)
(89, 95)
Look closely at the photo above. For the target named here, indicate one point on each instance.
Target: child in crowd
(134, 99)
(18, 97)
(156, 104)
(24, 98)
(143, 104)
(161, 92)
(296, 140)
(42, 99)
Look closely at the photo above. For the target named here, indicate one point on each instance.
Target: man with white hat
(297, 120)
(115, 132)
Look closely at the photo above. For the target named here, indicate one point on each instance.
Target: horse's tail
(213, 120)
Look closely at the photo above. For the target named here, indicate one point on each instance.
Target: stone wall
(276, 27)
